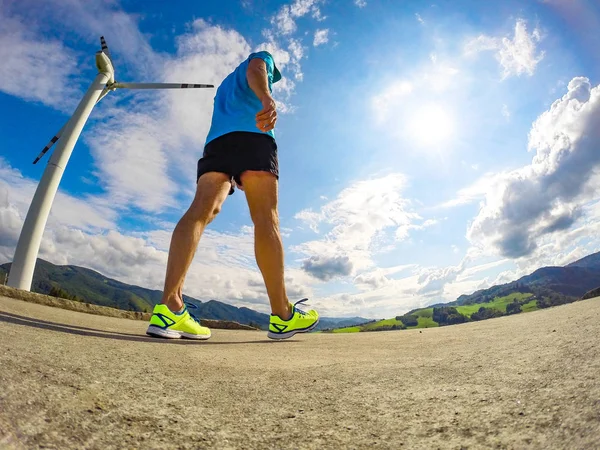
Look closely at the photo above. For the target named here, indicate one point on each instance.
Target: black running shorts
(237, 152)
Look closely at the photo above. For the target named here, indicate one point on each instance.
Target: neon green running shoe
(166, 324)
(300, 322)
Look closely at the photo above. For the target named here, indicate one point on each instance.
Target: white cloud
(517, 55)
(433, 281)
(35, 68)
(310, 218)
(390, 97)
(378, 298)
(321, 37)
(296, 52)
(371, 280)
(505, 111)
(135, 170)
(288, 61)
(284, 26)
(90, 214)
(403, 231)
(285, 19)
(419, 19)
(545, 198)
(481, 43)
(360, 3)
(326, 268)
(476, 191)
(469, 272)
(362, 220)
(90, 20)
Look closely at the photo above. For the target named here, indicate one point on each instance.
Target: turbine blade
(48, 147)
(103, 94)
(51, 143)
(105, 47)
(57, 136)
(160, 86)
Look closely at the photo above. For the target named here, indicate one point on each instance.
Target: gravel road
(75, 380)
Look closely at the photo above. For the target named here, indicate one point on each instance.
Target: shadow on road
(84, 331)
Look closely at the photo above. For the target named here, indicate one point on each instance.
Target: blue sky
(427, 149)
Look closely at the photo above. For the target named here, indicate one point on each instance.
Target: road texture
(75, 380)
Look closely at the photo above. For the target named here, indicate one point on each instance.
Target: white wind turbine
(21, 272)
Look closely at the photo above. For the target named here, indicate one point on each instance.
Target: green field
(368, 327)
(530, 306)
(426, 312)
(425, 315)
(347, 330)
(498, 303)
(381, 323)
(425, 322)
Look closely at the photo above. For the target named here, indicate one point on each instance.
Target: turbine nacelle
(104, 64)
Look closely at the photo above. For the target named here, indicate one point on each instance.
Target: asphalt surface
(75, 380)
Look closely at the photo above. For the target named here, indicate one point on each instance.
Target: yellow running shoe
(166, 324)
(300, 322)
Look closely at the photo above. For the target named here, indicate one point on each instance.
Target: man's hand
(267, 116)
(258, 82)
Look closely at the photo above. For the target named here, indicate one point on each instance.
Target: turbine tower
(21, 272)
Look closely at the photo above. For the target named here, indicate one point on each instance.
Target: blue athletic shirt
(236, 104)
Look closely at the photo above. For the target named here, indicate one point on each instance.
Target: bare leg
(211, 192)
(261, 194)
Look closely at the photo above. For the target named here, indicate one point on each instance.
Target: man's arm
(258, 81)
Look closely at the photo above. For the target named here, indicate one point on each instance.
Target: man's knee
(265, 218)
(211, 192)
(212, 214)
(203, 213)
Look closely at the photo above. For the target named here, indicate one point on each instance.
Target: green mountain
(548, 286)
(591, 261)
(87, 285)
(570, 281)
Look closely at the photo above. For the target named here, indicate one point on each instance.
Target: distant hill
(572, 281)
(591, 262)
(546, 287)
(92, 287)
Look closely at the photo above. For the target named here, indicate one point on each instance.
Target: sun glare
(431, 125)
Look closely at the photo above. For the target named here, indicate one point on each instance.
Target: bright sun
(431, 125)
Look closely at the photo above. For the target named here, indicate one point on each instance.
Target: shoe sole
(155, 331)
(289, 334)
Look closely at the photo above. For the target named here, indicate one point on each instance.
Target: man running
(240, 151)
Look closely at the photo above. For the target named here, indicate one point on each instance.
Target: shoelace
(191, 305)
(299, 310)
